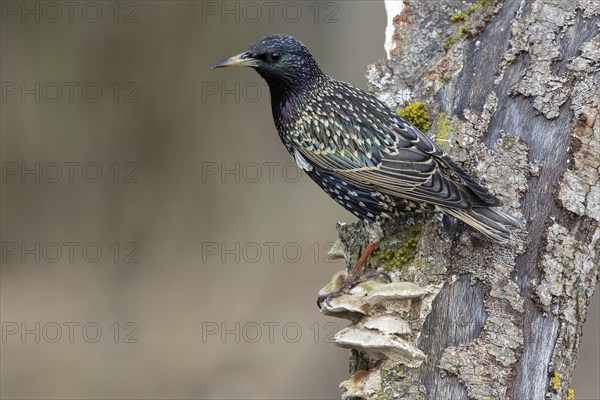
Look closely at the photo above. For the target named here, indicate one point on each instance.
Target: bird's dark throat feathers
(290, 89)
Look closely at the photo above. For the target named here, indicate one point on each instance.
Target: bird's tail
(490, 221)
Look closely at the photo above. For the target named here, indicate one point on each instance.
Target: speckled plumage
(360, 152)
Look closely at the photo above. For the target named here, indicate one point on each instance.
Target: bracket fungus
(379, 313)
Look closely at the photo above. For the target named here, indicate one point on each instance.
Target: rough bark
(513, 88)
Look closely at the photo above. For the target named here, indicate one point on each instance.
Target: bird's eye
(275, 56)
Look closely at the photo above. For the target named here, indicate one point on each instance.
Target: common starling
(359, 151)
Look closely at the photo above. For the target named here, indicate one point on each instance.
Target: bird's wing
(428, 146)
(394, 158)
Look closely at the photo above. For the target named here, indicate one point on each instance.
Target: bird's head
(283, 61)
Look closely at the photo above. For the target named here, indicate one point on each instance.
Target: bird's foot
(352, 279)
(349, 283)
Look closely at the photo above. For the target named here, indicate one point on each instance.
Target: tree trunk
(513, 88)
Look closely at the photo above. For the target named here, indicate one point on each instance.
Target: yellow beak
(240, 60)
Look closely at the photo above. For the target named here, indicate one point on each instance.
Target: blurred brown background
(164, 210)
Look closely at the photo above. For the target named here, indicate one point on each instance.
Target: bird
(363, 154)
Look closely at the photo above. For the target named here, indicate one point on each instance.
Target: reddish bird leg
(352, 279)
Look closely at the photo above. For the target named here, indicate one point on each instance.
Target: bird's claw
(349, 283)
(386, 276)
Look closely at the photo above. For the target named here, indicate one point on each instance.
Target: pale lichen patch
(579, 190)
